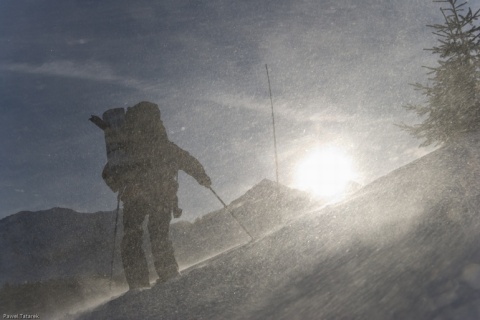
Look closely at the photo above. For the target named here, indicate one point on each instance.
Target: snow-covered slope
(404, 247)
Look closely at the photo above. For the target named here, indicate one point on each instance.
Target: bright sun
(324, 172)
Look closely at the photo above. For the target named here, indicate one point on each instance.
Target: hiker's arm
(192, 166)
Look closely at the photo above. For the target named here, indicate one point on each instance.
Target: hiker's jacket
(154, 161)
(153, 174)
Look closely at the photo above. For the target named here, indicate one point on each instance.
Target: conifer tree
(452, 106)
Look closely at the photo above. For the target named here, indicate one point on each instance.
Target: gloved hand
(205, 181)
(177, 212)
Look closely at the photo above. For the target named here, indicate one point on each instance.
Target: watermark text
(21, 316)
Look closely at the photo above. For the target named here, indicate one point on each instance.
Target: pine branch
(453, 104)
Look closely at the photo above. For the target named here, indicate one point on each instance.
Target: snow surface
(404, 247)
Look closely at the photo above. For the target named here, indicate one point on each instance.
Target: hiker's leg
(162, 249)
(133, 257)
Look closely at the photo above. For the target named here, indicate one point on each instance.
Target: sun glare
(324, 172)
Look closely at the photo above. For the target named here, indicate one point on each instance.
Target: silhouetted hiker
(146, 176)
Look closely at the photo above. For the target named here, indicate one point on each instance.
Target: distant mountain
(262, 209)
(268, 205)
(55, 243)
(404, 247)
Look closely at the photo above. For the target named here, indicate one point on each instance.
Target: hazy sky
(339, 70)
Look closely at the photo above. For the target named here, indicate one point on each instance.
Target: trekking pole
(231, 213)
(114, 240)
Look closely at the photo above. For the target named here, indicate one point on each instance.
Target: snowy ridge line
(209, 260)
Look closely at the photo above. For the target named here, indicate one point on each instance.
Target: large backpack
(128, 137)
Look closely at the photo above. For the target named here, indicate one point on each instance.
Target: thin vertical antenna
(273, 123)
